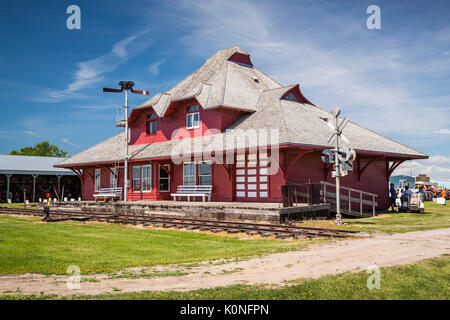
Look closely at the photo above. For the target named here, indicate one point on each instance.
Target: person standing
(392, 197)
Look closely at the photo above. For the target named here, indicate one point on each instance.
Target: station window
(137, 178)
(152, 123)
(146, 178)
(164, 178)
(97, 180)
(189, 177)
(204, 173)
(113, 178)
(192, 117)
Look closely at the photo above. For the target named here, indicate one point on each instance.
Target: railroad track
(263, 229)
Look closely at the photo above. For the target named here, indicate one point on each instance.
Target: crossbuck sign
(341, 157)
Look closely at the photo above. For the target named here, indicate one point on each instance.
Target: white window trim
(168, 178)
(99, 180)
(198, 123)
(142, 178)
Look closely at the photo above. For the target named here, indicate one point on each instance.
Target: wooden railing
(353, 201)
(363, 200)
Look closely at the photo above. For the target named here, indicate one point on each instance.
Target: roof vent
(256, 79)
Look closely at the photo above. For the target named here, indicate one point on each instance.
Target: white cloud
(31, 133)
(92, 71)
(67, 141)
(442, 131)
(154, 67)
(377, 79)
(437, 167)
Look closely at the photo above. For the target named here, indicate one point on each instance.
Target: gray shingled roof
(217, 83)
(223, 83)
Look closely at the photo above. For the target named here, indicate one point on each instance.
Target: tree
(41, 149)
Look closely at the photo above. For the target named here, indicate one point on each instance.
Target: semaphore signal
(125, 86)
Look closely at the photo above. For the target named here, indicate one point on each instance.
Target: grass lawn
(27, 245)
(427, 279)
(436, 216)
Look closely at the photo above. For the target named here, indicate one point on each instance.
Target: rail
(278, 230)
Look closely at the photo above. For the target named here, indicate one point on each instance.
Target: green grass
(32, 205)
(427, 279)
(436, 216)
(27, 245)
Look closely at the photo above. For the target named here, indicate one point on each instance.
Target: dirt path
(317, 261)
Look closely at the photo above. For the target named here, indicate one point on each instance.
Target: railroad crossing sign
(341, 157)
(346, 157)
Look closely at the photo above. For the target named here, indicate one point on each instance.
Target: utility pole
(125, 86)
(125, 183)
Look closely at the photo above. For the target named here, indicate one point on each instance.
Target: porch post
(8, 176)
(34, 186)
(59, 184)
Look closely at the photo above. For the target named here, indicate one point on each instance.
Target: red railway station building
(231, 126)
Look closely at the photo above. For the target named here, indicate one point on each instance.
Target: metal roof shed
(31, 165)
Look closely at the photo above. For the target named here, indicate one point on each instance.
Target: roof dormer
(241, 58)
(294, 94)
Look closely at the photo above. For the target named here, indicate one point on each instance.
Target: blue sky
(394, 80)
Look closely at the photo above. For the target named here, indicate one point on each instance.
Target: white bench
(193, 191)
(108, 193)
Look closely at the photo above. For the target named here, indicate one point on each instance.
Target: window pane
(152, 127)
(205, 180)
(196, 117)
(113, 179)
(193, 108)
(164, 179)
(163, 185)
(204, 169)
(97, 180)
(189, 121)
(204, 173)
(146, 178)
(189, 174)
(163, 173)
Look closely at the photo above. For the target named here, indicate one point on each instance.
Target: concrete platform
(254, 211)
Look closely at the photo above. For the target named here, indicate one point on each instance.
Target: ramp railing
(354, 202)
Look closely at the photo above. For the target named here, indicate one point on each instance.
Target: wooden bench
(193, 191)
(109, 193)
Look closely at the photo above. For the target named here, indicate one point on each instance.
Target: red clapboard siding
(214, 119)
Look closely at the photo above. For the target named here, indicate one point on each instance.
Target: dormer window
(192, 117)
(291, 97)
(152, 123)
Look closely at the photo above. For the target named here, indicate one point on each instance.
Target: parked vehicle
(412, 203)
